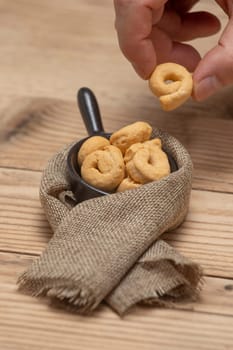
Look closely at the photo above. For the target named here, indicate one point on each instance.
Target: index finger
(134, 20)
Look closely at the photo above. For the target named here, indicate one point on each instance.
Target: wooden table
(48, 50)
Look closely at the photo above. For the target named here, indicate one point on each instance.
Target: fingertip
(206, 88)
(208, 24)
(143, 71)
(186, 55)
(213, 72)
(142, 57)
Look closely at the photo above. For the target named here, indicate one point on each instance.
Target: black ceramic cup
(91, 116)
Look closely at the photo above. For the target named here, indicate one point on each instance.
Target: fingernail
(206, 87)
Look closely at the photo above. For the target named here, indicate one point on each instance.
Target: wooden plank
(215, 296)
(206, 236)
(63, 45)
(53, 39)
(50, 49)
(33, 129)
(36, 325)
(23, 225)
(167, 331)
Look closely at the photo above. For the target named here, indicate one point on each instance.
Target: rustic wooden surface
(49, 49)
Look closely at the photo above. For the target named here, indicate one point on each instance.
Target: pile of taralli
(129, 159)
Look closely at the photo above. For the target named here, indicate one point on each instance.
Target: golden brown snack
(104, 169)
(153, 143)
(130, 152)
(127, 184)
(92, 144)
(148, 164)
(130, 134)
(172, 83)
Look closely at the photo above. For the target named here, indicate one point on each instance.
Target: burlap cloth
(107, 248)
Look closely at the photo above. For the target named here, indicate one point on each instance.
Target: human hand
(215, 69)
(152, 32)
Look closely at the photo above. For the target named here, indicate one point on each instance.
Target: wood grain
(206, 236)
(49, 49)
(32, 130)
(38, 325)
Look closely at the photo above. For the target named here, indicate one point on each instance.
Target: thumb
(215, 70)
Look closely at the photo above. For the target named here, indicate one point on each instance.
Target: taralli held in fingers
(130, 134)
(104, 169)
(172, 83)
(92, 144)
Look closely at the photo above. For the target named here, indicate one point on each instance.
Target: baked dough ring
(153, 143)
(130, 134)
(127, 184)
(132, 150)
(104, 169)
(92, 144)
(148, 164)
(174, 93)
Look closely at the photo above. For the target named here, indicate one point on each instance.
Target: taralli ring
(104, 169)
(127, 184)
(148, 164)
(92, 144)
(132, 150)
(172, 83)
(130, 134)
